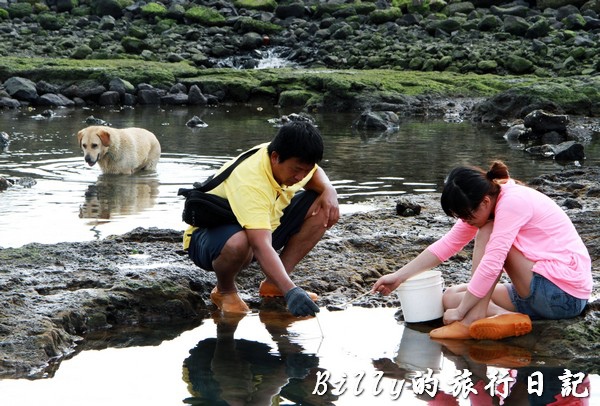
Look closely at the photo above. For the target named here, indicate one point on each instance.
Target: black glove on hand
(299, 303)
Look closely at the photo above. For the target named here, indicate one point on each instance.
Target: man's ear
(274, 157)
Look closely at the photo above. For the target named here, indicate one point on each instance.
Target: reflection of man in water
(229, 371)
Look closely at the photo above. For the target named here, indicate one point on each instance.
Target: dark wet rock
(510, 104)
(91, 120)
(54, 100)
(110, 98)
(196, 122)
(516, 25)
(196, 97)
(407, 208)
(572, 204)
(178, 99)
(544, 151)
(44, 87)
(9, 103)
(4, 183)
(541, 122)
(568, 151)
(120, 86)
(21, 89)
(4, 140)
(149, 96)
(377, 120)
(292, 117)
(26, 182)
(47, 113)
(296, 9)
(517, 132)
(89, 90)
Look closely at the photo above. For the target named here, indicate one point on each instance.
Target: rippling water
(87, 205)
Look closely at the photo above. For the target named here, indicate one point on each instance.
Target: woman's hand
(386, 284)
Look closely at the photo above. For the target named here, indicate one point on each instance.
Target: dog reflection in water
(229, 371)
(117, 195)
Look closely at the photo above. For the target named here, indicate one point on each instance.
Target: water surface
(87, 205)
(353, 357)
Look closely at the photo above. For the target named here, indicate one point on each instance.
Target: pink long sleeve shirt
(535, 225)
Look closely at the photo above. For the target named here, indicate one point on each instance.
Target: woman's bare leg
(498, 301)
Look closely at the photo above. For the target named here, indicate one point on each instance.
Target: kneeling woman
(517, 230)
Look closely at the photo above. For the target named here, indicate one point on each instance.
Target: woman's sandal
(501, 326)
(455, 330)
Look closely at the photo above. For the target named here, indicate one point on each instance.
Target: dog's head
(94, 141)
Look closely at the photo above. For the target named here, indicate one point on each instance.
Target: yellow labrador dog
(119, 151)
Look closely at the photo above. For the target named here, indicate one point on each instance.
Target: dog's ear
(79, 137)
(104, 137)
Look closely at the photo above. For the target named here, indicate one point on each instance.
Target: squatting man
(282, 200)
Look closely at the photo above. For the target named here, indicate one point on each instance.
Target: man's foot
(268, 289)
(500, 326)
(455, 330)
(228, 302)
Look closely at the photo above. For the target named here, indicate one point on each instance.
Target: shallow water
(87, 205)
(268, 355)
(341, 358)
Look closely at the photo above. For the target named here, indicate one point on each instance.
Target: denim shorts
(207, 243)
(546, 301)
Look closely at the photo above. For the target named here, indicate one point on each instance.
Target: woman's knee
(453, 295)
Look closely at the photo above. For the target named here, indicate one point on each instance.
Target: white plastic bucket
(421, 297)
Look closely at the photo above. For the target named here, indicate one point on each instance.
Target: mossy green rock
(518, 64)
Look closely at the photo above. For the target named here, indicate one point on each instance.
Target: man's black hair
(298, 139)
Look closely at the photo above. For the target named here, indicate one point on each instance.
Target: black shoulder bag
(203, 209)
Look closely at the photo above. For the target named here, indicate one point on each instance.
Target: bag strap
(213, 181)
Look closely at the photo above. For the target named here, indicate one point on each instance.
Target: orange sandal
(228, 302)
(501, 326)
(268, 289)
(455, 330)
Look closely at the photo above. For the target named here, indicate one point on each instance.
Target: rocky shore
(384, 55)
(140, 288)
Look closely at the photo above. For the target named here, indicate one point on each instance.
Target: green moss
(20, 10)
(51, 21)
(58, 70)
(204, 15)
(383, 16)
(3, 14)
(248, 24)
(294, 98)
(314, 86)
(125, 3)
(154, 10)
(264, 5)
